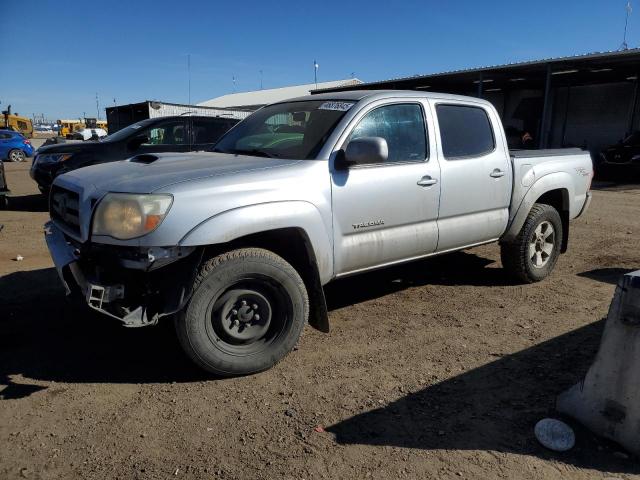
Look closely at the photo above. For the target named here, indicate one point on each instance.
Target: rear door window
(209, 131)
(171, 132)
(465, 131)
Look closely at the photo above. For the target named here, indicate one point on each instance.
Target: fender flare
(547, 183)
(239, 222)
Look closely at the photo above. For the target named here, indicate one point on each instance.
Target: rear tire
(247, 312)
(17, 155)
(531, 256)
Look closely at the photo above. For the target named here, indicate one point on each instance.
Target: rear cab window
(465, 131)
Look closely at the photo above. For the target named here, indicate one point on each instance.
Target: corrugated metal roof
(611, 54)
(272, 95)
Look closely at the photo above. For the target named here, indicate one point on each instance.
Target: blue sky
(55, 55)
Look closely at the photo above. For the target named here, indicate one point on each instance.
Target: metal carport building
(588, 101)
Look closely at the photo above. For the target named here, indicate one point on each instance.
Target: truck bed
(548, 152)
(568, 170)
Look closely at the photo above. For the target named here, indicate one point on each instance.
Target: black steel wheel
(247, 312)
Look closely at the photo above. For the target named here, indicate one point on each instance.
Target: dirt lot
(439, 369)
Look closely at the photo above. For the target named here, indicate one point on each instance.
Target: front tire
(17, 155)
(531, 256)
(247, 312)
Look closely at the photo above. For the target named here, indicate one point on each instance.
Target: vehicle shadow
(493, 407)
(43, 338)
(606, 275)
(459, 268)
(27, 203)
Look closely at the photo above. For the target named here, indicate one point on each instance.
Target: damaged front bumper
(135, 285)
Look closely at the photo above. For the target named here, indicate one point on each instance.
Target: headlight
(125, 215)
(53, 157)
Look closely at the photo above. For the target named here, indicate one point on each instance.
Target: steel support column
(546, 111)
(634, 101)
(566, 113)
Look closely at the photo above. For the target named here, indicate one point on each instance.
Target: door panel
(381, 214)
(476, 188)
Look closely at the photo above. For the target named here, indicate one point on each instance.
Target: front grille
(65, 208)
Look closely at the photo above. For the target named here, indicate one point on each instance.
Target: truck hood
(153, 172)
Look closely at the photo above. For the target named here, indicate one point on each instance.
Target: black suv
(622, 157)
(165, 134)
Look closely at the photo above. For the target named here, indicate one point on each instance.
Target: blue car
(14, 146)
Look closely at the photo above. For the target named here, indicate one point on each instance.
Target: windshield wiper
(255, 152)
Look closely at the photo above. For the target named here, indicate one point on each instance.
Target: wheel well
(559, 199)
(293, 245)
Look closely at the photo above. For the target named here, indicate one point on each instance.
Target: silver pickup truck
(237, 243)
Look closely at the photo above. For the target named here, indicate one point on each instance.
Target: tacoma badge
(371, 223)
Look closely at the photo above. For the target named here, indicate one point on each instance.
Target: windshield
(127, 131)
(293, 130)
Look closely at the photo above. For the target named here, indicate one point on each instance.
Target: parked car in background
(236, 244)
(89, 134)
(623, 157)
(43, 129)
(14, 146)
(166, 134)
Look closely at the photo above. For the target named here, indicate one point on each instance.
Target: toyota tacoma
(236, 244)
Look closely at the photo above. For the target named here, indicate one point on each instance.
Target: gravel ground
(438, 369)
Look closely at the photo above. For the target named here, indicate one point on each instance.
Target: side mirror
(138, 140)
(366, 150)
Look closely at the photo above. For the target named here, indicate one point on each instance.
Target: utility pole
(315, 73)
(189, 74)
(624, 45)
(97, 106)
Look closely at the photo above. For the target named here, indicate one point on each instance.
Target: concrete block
(607, 400)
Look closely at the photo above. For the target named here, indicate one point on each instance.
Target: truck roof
(357, 95)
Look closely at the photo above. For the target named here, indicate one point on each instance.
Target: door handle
(497, 173)
(427, 181)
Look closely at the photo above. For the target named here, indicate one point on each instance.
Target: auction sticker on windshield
(337, 106)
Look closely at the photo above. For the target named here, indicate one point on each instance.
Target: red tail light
(27, 142)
